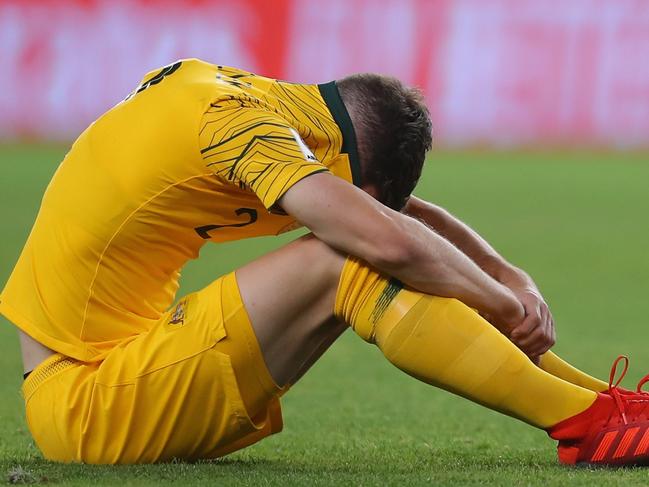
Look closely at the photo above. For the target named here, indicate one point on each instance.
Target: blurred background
(497, 72)
(541, 142)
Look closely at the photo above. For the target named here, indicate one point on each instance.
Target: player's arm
(351, 221)
(264, 154)
(536, 333)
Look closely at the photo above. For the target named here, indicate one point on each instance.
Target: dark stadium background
(541, 129)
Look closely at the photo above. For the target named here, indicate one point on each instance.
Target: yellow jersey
(196, 153)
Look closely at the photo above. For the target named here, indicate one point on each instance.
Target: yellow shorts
(194, 386)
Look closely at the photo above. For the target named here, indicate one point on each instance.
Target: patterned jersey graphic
(254, 137)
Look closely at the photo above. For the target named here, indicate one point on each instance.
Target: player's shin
(445, 343)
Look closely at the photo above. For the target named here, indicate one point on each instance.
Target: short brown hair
(393, 133)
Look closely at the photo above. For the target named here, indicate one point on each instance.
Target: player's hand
(536, 334)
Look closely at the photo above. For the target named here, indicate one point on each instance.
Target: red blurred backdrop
(501, 72)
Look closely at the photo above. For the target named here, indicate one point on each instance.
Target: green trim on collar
(330, 94)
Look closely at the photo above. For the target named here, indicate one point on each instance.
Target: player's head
(393, 133)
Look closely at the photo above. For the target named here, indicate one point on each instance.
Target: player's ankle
(578, 425)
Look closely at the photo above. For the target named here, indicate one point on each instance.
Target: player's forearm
(469, 242)
(352, 222)
(433, 265)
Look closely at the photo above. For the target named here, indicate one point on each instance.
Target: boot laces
(642, 382)
(622, 397)
(613, 389)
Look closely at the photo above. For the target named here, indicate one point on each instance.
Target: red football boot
(614, 430)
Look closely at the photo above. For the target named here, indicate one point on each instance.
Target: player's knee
(321, 255)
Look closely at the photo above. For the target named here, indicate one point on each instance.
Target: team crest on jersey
(178, 316)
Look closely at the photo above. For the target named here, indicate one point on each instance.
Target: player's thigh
(289, 296)
(284, 282)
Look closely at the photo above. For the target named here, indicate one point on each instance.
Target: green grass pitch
(577, 221)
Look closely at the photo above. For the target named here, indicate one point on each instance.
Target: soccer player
(115, 373)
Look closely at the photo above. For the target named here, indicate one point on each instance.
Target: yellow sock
(559, 368)
(445, 343)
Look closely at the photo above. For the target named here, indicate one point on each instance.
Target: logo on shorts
(178, 316)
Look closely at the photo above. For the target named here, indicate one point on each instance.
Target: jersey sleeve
(255, 149)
